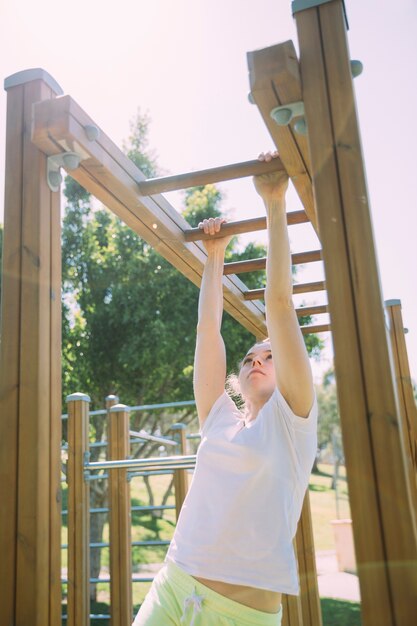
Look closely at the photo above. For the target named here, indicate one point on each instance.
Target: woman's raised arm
(291, 363)
(210, 354)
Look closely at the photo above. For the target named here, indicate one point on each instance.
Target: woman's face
(257, 373)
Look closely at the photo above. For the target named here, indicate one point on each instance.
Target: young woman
(232, 556)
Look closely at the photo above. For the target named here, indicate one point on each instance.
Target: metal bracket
(356, 68)
(92, 132)
(285, 113)
(68, 160)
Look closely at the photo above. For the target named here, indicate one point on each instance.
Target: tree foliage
(329, 430)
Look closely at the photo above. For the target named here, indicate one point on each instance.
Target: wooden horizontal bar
(205, 177)
(312, 310)
(243, 226)
(252, 265)
(256, 294)
(306, 257)
(319, 328)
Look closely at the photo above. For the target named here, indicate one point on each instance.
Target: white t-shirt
(240, 515)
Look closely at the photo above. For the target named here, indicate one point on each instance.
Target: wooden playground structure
(377, 408)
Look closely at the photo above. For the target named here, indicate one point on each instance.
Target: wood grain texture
(9, 354)
(154, 186)
(121, 606)
(408, 409)
(307, 571)
(243, 226)
(78, 602)
(384, 530)
(275, 80)
(292, 612)
(55, 391)
(251, 265)
(30, 324)
(180, 476)
(33, 524)
(254, 294)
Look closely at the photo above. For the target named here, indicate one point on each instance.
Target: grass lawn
(147, 527)
(323, 506)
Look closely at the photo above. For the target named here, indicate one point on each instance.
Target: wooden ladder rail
(389, 587)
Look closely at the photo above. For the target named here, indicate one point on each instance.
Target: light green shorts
(177, 599)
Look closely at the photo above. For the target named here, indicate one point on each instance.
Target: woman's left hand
(274, 184)
(211, 226)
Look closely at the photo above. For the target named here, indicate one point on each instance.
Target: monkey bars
(309, 109)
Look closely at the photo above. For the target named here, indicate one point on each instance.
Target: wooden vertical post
(30, 370)
(292, 613)
(408, 409)
(78, 512)
(180, 475)
(121, 606)
(309, 590)
(383, 523)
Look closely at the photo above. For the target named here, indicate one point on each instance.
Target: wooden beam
(30, 371)
(315, 329)
(243, 226)
(251, 265)
(292, 612)
(78, 519)
(404, 384)
(256, 294)
(153, 186)
(108, 174)
(179, 432)
(121, 608)
(275, 80)
(309, 591)
(383, 523)
(312, 310)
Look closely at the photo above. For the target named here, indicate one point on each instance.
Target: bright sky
(185, 63)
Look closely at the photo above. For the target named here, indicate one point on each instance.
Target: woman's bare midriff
(259, 599)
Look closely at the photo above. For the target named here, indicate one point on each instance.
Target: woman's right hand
(211, 226)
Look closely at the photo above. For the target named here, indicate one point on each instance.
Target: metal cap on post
(111, 400)
(75, 397)
(27, 76)
(302, 5)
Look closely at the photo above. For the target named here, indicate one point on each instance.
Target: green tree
(329, 431)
